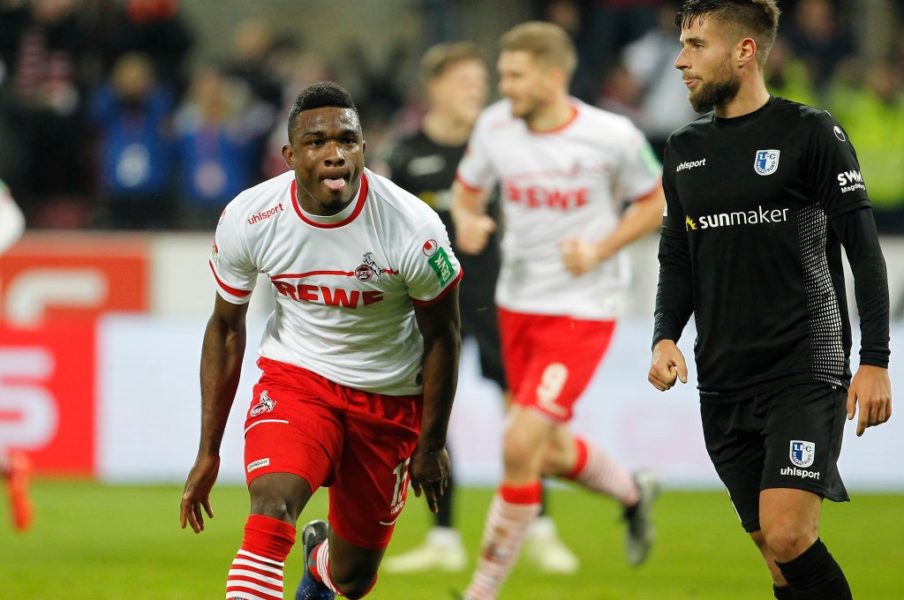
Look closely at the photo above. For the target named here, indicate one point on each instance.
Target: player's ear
(746, 51)
(289, 156)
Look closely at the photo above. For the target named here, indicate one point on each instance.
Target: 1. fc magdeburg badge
(802, 453)
(766, 161)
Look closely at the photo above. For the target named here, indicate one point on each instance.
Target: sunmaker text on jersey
(741, 217)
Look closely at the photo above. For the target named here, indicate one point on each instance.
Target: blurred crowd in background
(114, 116)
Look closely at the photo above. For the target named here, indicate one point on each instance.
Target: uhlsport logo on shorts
(264, 405)
(802, 453)
(257, 464)
(766, 162)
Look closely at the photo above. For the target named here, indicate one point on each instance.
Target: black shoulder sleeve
(857, 232)
(674, 294)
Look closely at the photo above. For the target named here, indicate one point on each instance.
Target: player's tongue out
(334, 184)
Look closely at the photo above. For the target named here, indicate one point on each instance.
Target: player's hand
(197, 492)
(871, 389)
(667, 366)
(581, 256)
(429, 472)
(472, 231)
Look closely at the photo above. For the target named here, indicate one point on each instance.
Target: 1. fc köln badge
(802, 453)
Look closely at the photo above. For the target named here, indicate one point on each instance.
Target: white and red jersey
(556, 185)
(12, 223)
(344, 284)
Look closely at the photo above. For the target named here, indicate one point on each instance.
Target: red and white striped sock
(511, 513)
(596, 471)
(321, 567)
(257, 569)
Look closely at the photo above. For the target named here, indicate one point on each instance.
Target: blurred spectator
(873, 117)
(41, 104)
(249, 65)
(215, 147)
(815, 37)
(153, 27)
(650, 60)
(620, 93)
(787, 76)
(297, 71)
(132, 115)
(608, 25)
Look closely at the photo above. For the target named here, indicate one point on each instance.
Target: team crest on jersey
(766, 161)
(264, 404)
(802, 453)
(369, 269)
(430, 247)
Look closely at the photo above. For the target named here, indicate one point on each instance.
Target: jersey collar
(343, 217)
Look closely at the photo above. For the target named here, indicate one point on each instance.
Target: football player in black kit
(761, 194)
(455, 78)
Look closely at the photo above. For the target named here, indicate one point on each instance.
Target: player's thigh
(734, 442)
(564, 355)
(293, 429)
(371, 479)
(804, 431)
(352, 563)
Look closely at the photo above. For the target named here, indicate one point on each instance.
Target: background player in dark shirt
(761, 195)
(454, 77)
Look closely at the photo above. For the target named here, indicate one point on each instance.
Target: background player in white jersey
(455, 76)
(14, 465)
(565, 169)
(359, 358)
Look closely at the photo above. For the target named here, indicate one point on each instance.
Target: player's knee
(787, 543)
(356, 585)
(516, 449)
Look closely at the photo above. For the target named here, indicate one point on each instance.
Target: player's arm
(674, 293)
(12, 223)
(221, 365)
(643, 216)
(440, 327)
(472, 225)
(871, 387)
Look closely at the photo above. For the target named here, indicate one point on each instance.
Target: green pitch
(93, 542)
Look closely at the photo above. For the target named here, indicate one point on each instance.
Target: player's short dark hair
(755, 18)
(440, 57)
(320, 95)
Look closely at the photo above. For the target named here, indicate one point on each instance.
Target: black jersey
(748, 246)
(426, 169)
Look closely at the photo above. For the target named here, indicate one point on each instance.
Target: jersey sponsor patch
(442, 266)
(802, 453)
(766, 162)
(257, 464)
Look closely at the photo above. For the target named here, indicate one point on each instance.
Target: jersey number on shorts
(401, 484)
(551, 383)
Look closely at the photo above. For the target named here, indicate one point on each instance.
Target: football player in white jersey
(565, 169)
(359, 358)
(14, 465)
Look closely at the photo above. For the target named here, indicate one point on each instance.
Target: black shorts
(787, 437)
(477, 292)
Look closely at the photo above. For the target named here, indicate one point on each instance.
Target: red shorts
(549, 360)
(357, 443)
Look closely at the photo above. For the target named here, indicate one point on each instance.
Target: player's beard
(715, 93)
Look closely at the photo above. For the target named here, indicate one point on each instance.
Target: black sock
(784, 592)
(815, 575)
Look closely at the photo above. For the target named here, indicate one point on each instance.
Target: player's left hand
(871, 389)
(429, 472)
(581, 256)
